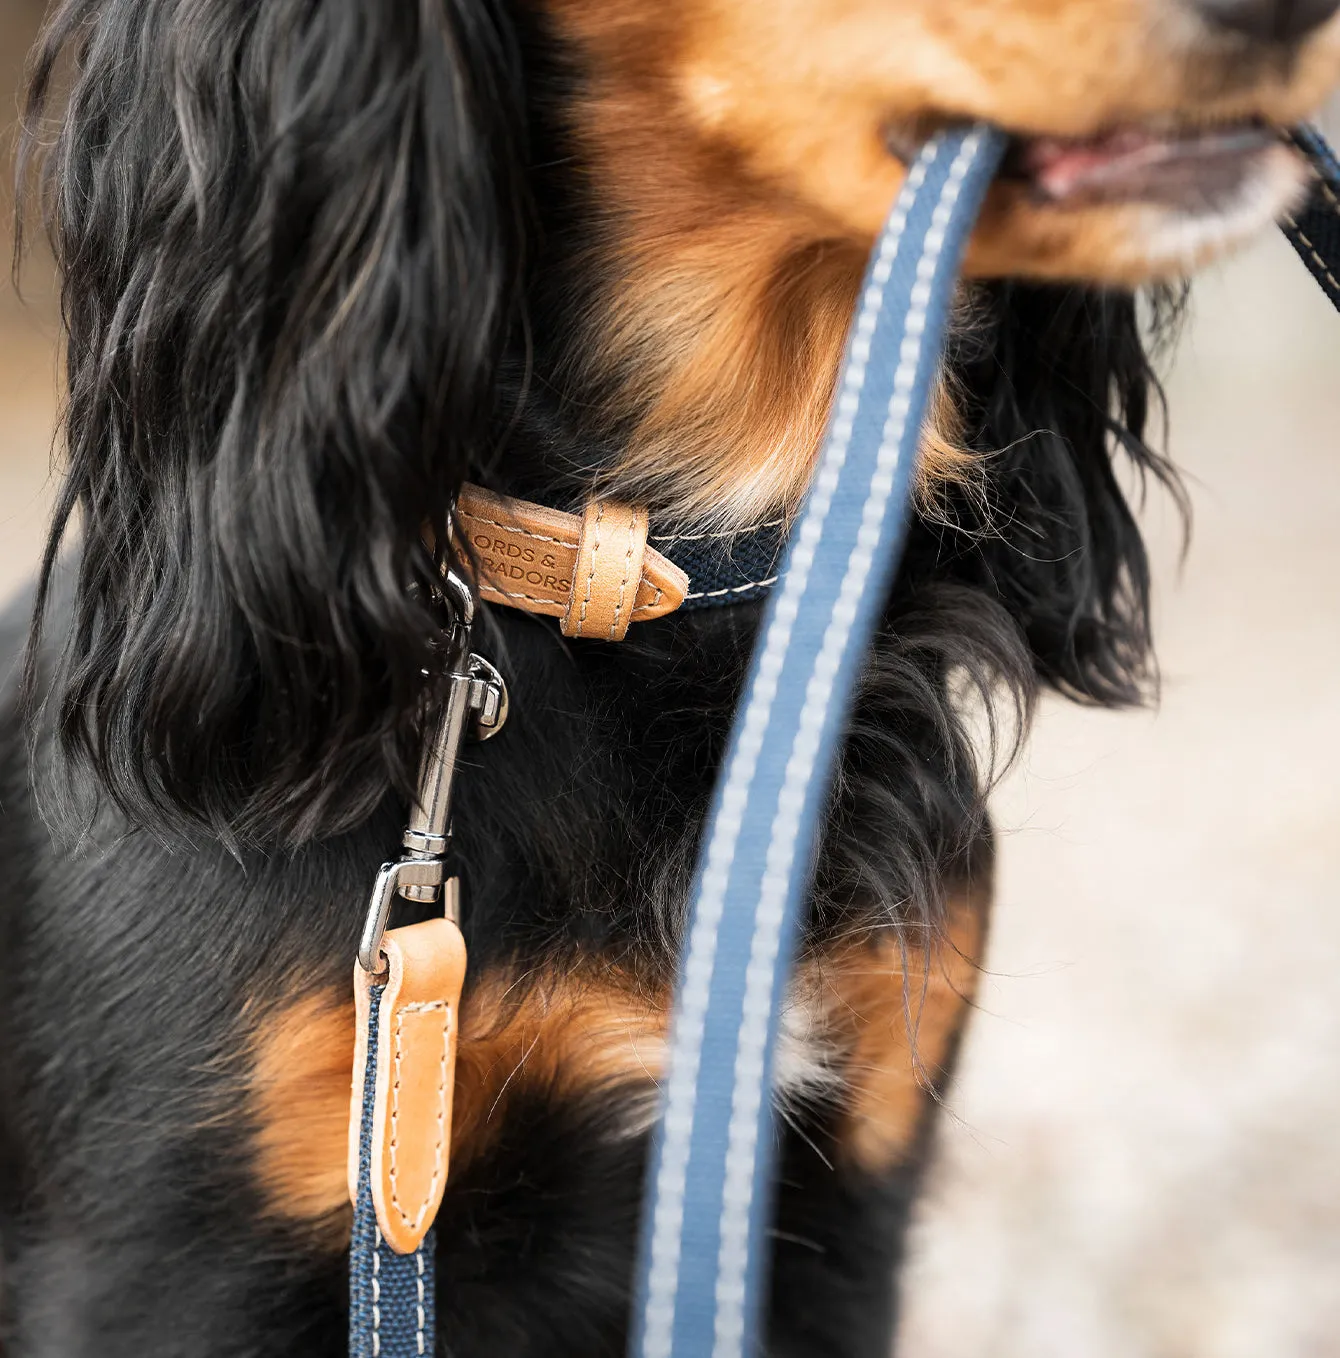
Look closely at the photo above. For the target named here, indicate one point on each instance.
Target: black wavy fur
(317, 258)
(289, 235)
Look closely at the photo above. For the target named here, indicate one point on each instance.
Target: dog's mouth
(1194, 170)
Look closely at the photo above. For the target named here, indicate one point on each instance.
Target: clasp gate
(475, 703)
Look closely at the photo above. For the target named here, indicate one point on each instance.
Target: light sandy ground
(27, 400)
(27, 348)
(1143, 1159)
(1145, 1156)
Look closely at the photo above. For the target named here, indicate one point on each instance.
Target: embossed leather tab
(541, 560)
(418, 1019)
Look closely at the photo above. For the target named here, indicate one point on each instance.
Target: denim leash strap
(392, 1297)
(407, 994)
(701, 1272)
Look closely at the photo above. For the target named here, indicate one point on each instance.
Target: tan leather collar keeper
(595, 573)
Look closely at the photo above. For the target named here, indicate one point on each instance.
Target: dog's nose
(1270, 20)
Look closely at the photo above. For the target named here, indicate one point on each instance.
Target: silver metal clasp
(475, 704)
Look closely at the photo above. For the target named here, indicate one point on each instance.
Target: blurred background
(1142, 1156)
(27, 340)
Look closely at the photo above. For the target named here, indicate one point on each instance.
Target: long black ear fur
(1058, 390)
(289, 240)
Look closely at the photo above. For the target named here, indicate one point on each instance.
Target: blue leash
(701, 1275)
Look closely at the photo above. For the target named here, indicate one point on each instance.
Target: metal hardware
(488, 698)
(475, 702)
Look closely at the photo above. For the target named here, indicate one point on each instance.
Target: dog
(328, 268)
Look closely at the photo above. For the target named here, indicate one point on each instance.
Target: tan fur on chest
(565, 1037)
(880, 1024)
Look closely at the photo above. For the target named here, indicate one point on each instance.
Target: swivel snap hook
(475, 703)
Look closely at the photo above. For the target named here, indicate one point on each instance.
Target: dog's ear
(1059, 387)
(289, 238)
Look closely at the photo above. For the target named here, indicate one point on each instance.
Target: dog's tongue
(1135, 163)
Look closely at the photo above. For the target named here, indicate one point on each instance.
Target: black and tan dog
(325, 261)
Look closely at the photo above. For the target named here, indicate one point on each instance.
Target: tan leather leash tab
(418, 1000)
(596, 573)
(407, 988)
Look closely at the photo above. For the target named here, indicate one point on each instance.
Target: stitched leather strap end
(418, 1018)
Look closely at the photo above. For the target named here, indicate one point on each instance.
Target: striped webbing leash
(701, 1272)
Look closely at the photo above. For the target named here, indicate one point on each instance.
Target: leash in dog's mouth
(598, 573)
(1197, 169)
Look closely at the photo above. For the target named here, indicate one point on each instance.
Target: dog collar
(602, 570)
